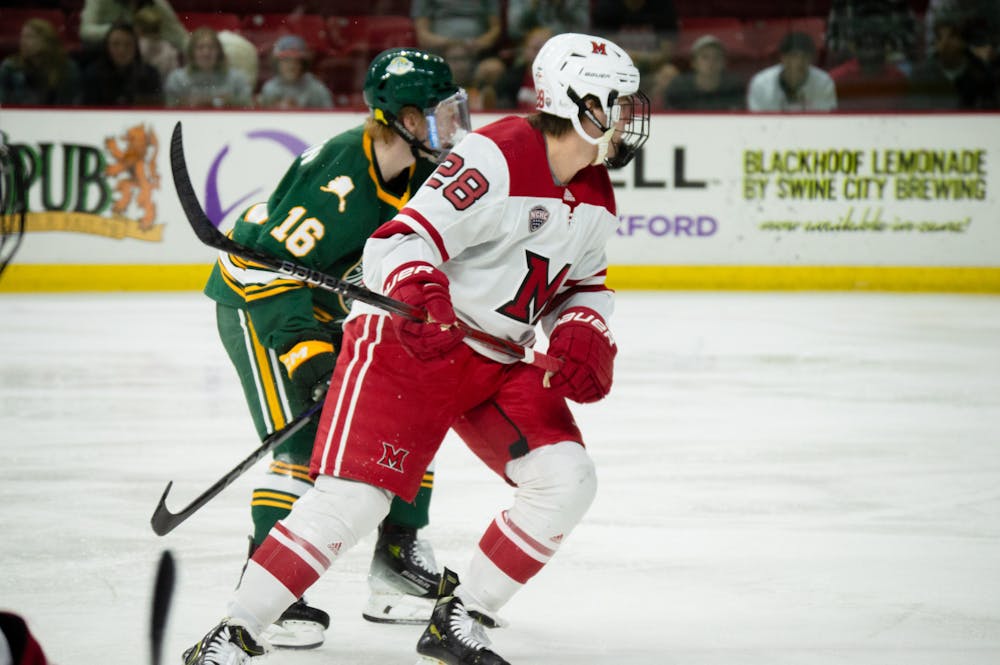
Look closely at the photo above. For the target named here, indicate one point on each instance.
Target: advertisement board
(712, 201)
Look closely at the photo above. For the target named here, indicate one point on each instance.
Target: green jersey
(320, 215)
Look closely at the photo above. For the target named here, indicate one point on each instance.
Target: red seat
(213, 20)
(765, 35)
(239, 7)
(815, 27)
(370, 35)
(344, 75)
(264, 29)
(14, 18)
(751, 10)
(352, 7)
(730, 31)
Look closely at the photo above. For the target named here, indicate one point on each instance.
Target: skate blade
(427, 660)
(294, 635)
(398, 609)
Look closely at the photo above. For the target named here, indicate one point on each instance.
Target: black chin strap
(584, 111)
(416, 146)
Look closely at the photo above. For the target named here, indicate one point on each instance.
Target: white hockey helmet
(569, 68)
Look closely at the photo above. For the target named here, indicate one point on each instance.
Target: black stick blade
(162, 520)
(197, 218)
(163, 592)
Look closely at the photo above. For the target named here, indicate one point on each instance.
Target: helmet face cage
(633, 118)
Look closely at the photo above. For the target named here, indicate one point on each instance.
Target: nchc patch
(537, 216)
(393, 457)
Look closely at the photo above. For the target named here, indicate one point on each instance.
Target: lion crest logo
(134, 165)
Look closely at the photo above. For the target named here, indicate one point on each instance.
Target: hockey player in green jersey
(283, 336)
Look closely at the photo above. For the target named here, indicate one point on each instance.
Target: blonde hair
(148, 20)
(51, 60)
(221, 63)
(382, 132)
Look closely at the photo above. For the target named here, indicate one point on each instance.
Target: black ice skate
(456, 636)
(403, 577)
(229, 643)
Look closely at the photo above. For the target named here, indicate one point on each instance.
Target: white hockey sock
(328, 520)
(555, 487)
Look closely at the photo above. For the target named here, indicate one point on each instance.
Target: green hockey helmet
(400, 77)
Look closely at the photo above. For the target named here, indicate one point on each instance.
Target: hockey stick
(13, 204)
(163, 592)
(211, 236)
(164, 521)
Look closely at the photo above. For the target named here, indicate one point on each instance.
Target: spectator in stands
(467, 35)
(293, 86)
(207, 81)
(983, 42)
(794, 84)
(118, 76)
(478, 78)
(982, 17)
(153, 47)
(953, 77)
(709, 86)
(848, 18)
(868, 81)
(97, 17)
(559, 16)
(40, 73)
(516, 89)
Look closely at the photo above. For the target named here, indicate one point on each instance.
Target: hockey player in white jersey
(507, 234)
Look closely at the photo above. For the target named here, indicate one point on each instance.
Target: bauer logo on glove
(582, 340)
(424, 286)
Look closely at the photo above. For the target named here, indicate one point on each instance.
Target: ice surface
(800, 479)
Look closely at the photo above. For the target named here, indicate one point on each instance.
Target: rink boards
(714, 201)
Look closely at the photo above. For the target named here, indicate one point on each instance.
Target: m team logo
(537, 216)
(600, 48)
(393, 457)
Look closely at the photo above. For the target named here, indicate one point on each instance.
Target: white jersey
(517, 248)
(765, 92)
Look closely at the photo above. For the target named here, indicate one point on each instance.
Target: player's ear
(412, 119)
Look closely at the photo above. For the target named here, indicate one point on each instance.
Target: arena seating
(345, 34)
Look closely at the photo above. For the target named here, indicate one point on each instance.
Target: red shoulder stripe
(429, 228)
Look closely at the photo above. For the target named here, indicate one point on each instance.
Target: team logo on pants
(392, 457)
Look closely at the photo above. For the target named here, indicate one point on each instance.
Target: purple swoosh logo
(214, 207)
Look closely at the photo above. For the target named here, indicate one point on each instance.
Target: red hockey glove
(309, 364)
(583, 342)
(424, 286)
